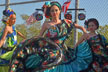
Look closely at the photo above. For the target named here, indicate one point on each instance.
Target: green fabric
(4, 68)
(10, 41)
(33, 61)
(57, 4)
(7, 55)
(9, 38)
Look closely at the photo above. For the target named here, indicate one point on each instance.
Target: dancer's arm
(43, 29)
(80, 27)
(80, 40)
(84, 37)
(4, 36)
(20, 34)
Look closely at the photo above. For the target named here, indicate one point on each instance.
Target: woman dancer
(8, 38)
(58, 30)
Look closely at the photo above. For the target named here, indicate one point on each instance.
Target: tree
(70, 41)
(33, 29)
(103, 30)
(21, 28)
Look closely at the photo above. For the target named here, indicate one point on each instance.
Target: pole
(76, 20)
(25, 2)
(6, 4)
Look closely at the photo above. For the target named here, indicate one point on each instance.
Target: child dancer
(8, 38)
(97, 43)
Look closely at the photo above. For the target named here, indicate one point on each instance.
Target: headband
(57, 4)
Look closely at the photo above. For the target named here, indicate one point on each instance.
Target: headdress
(7, 14)
(47, 4)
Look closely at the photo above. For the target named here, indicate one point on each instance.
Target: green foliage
(70, 41)
(21, 28)
(24, 16)
(28, 31)
(103, 30)
(33, 30)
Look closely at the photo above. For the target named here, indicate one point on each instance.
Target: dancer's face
(92, 26)
(55, 12)
(12, 19)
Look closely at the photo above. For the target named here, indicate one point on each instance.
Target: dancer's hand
(87, 36)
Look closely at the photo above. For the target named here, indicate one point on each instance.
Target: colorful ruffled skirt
(77, 60)
(82, 60)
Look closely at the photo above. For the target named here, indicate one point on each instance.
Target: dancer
(8, 38)
(40, 54)
(98, 44)
(58, 30)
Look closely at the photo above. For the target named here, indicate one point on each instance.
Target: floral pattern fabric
(74, 60)
(59, 33)
(100, 54)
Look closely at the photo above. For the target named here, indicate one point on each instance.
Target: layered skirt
(81, 61)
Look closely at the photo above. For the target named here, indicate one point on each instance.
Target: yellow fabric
(4, 68)
(7, 55)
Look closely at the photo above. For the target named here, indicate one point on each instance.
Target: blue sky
(93, 9)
